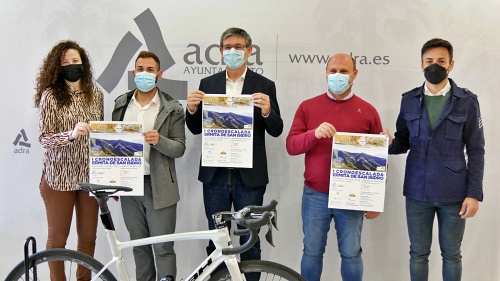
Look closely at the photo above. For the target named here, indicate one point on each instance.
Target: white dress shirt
(234, 88)
(146, 115)
(443, 92)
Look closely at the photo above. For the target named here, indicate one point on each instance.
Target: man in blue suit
(436, 122)
(238, 187)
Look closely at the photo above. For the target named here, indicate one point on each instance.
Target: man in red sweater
(315, 123)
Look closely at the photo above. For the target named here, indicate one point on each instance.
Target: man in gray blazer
(155, 212)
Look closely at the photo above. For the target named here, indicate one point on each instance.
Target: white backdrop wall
(293, 38)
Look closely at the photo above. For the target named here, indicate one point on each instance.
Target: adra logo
(128, 47)
(21, 143)
(208, 60)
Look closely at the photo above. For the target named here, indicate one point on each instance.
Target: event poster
(227, 131)
(117, 155)
(358, 172)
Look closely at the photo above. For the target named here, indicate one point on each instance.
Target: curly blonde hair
(49, 75)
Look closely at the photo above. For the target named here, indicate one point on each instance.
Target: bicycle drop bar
(245, 219)
(271, 207)
(252, 225)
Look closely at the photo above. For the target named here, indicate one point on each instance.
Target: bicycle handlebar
(252, 225)
(271, 206)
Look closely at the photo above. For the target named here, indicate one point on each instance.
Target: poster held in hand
(116, 150)
(358, 172)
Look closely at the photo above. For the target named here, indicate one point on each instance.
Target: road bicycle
(35, 267)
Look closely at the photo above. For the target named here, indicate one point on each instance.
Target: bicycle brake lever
(274, 220)
(269, 236)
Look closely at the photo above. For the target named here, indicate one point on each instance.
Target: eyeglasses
(237, 47)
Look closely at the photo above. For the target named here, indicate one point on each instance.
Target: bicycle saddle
(99, 188)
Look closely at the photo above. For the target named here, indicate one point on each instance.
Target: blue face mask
(338, 83)
(233, 58)
(145, 81)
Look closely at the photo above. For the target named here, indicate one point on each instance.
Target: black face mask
(435, 73)
(72, 72)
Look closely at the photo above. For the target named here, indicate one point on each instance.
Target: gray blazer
(172, 144)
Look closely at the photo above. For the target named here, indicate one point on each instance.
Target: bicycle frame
(220, 238)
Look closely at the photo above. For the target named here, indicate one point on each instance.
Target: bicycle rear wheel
(269, 271)
(71, 260)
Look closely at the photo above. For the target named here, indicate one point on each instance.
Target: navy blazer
(436, 168)
(273, 124)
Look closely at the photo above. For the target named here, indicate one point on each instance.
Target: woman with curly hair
(67, 100)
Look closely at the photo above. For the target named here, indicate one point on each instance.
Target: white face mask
(145, 81)
(233, 58)
(338, 83)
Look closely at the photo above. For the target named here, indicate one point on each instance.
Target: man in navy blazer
(224, 187)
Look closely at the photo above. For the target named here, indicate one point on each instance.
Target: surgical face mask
(338, 83)
(145, 81)
(72, 72)
(233, 58)
(435, 73)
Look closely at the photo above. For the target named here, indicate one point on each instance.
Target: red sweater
(353, 116)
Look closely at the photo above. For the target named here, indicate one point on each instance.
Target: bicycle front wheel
(69, 258)
(269, 271)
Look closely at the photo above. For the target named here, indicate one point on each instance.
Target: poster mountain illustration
(360, 161)
(228, 120)
(116, 147)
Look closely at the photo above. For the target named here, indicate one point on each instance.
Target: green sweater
(434, 106)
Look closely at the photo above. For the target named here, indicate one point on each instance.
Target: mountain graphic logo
(24, 142)
(128, 47)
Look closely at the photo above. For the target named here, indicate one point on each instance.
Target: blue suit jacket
(436, 168)
(273, 124)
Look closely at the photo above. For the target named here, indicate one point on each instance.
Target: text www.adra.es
(322, 59)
